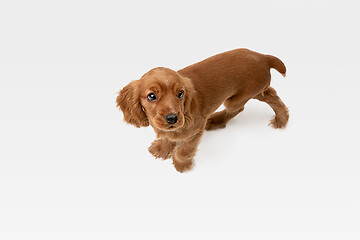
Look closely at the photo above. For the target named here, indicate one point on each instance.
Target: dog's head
(161, 97)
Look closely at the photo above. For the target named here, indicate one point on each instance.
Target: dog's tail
(276, 63)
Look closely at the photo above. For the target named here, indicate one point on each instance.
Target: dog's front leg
(185, 152)
(162, 148)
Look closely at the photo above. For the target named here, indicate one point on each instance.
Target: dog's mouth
(170, 128)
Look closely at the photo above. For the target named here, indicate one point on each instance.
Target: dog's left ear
(129, 102)
(190, 98)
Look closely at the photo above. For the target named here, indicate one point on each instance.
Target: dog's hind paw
(278, 122)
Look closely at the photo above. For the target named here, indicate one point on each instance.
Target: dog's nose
(171, 118)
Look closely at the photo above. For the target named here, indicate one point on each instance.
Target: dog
(180, 105)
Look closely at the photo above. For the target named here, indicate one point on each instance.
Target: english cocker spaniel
(180, 105)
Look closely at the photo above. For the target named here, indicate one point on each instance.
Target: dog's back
(240, 71)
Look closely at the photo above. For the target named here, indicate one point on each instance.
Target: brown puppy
(180, 105)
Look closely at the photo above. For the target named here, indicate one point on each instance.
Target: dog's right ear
(129, 103)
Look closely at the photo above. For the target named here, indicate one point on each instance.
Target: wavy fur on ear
(190, 101)
(129, 103)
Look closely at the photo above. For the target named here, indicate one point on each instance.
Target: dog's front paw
(161, 148)
(182, 162)
(183, 166)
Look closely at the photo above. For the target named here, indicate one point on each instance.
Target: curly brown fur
(181, 105)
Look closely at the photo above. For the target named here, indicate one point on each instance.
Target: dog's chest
(175, 136)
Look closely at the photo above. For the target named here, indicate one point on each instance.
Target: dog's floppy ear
(190, 99)
(129, 103)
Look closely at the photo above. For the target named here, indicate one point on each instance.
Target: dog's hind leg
(234, 105)
(281, 111)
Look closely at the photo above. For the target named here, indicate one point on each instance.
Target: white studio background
(70, 168)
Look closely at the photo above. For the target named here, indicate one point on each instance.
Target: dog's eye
(181, 94)
(151, 97)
